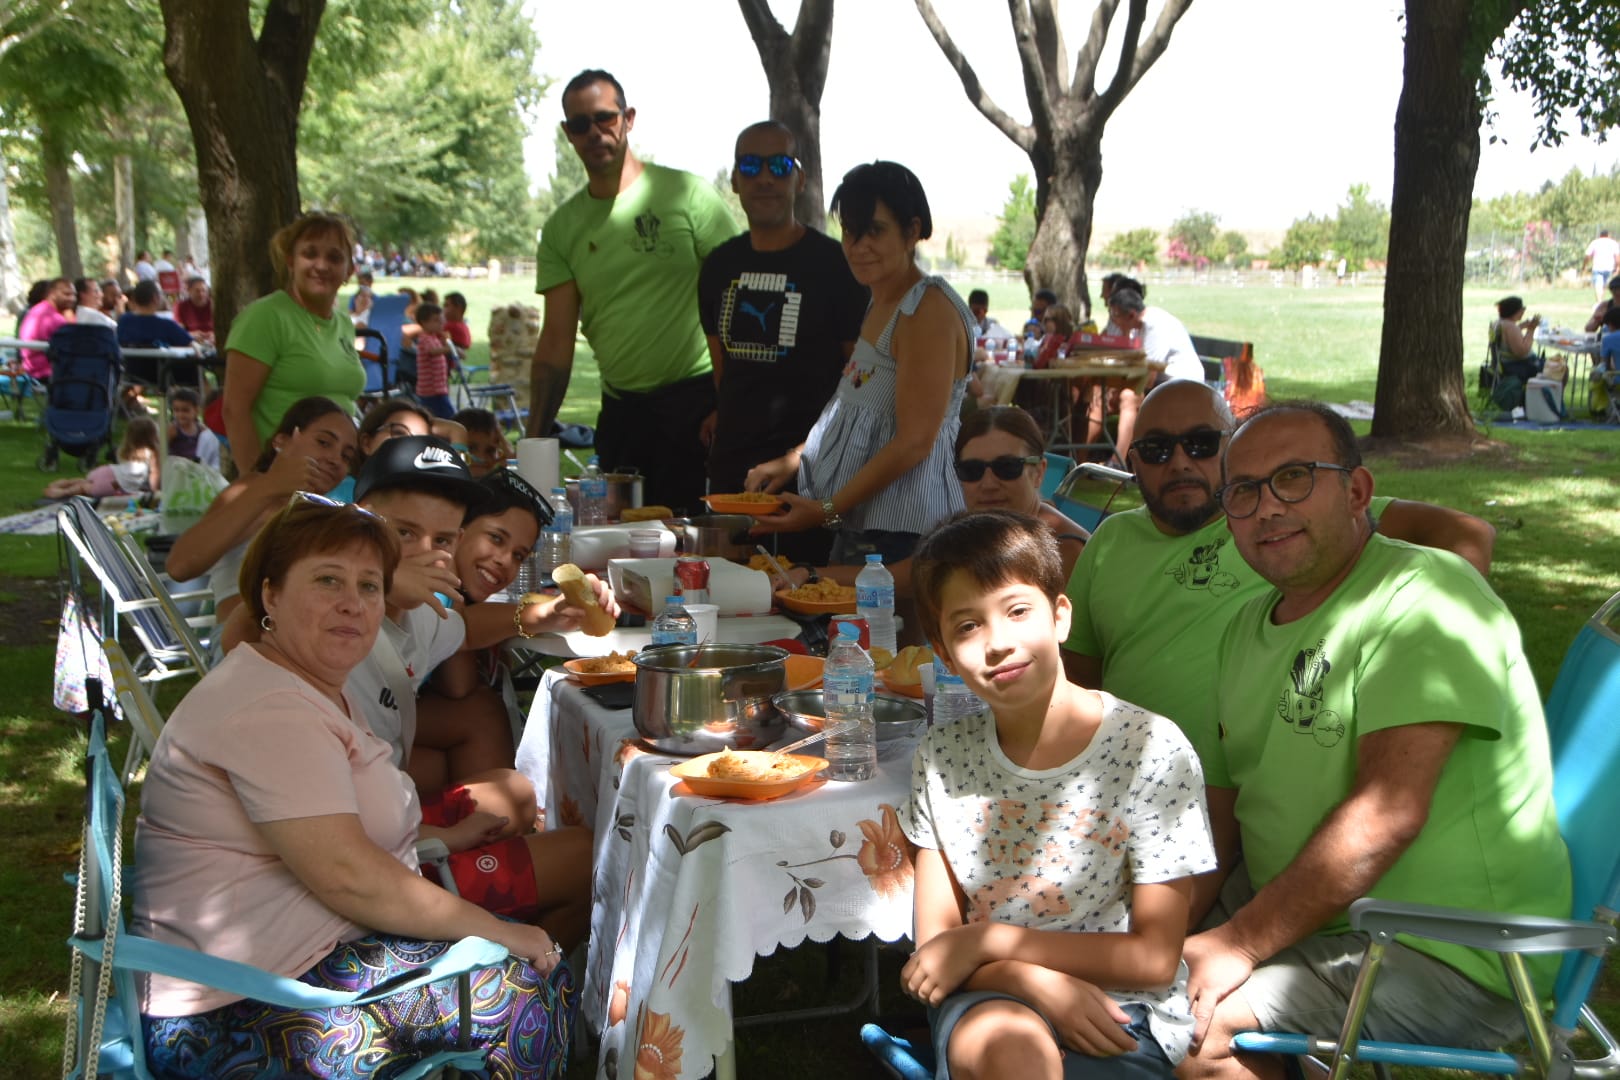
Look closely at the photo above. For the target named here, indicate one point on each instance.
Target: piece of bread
(578, 592)
(903, 671)
(645, 513)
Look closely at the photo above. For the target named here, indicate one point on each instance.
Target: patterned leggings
(524, 1018)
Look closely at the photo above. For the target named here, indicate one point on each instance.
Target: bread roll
(578, 592)
(645, 513)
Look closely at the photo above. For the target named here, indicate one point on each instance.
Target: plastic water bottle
(556, 542)
(674, 625)
(593, 494)
(953, 701)
(874, 601)
(846, 689)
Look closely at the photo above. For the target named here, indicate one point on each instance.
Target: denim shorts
(1146, 1062)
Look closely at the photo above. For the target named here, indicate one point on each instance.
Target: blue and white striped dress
(861, 419)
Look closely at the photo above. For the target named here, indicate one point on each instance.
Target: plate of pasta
(600, 670)
(818, 598)
(748, 774)
(754, 503)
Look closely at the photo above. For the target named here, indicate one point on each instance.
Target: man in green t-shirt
(1383, 736)
(620, 260)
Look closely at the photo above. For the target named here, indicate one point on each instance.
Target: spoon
(781, 573)
(692, 663)
(837, 729)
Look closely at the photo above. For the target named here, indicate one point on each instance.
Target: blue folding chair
(104, 1034)
(1086, 514)
(1058, 467)
(1585, 735)
(384, 333)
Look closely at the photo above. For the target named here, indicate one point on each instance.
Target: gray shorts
(1147, 1062)
(1306, 989)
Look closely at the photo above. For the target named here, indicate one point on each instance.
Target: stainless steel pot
(897, 719)
(723, 703)
(623, 493)
(720, 536)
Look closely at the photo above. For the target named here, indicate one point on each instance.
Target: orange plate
(913, 690)
(732, 504)
(597, 678)
(817, 607)
(803, 672)
(695, 772)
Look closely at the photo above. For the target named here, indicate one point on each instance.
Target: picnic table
(1130, 365)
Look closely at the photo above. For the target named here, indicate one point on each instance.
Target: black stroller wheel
(47, 461)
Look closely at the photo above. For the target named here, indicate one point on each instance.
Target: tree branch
(811, 46)
(10, 16)
(1041, 86)
(1049, 47)
(1021, 135)
(286, 39)
(769, 37)
(1084, 86)
(1150, 50)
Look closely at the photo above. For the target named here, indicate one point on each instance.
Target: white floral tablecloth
(688, 890)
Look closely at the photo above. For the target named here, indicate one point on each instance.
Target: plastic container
(952, 699)
(674, 625)
(593, 494)
(646, 543)
(556, 541)
(874, 599)
(846, 687)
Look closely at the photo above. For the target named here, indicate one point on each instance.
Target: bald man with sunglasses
(781, 312)
(1156, 586)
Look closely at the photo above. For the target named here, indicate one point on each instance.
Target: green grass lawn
(1553, 497)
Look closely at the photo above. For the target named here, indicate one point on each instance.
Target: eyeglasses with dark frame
(781, 165)
(579, 125)
(1200, 444)
(1292, 483)
(1006, 467)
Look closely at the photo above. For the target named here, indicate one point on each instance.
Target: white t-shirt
(89, 316)
(1059, 849)
(1604, 253)
(384, 684)
(145, 271)
(1166, 341)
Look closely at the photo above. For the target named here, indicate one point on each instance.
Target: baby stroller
(86, 365)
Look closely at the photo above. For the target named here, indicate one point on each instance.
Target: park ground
(1554, 498)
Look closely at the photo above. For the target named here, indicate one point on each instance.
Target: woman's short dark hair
(887, 182)
(1509, 306)
(309, 528)
(1009, 418)
(380, 414)
(994, 548)
(300, 414)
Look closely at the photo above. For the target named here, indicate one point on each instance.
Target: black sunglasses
(579, 125)
(1199, 444)
(1007, 467)
(781, 165)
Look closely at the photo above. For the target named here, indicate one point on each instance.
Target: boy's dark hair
(186, 395)
(1045, 294)
(887, 182)
(595, 75)
(144, 293)
(1611, 318)
(994, 548)
(979, 296)
(455, 298)
(425, 311)
(480, 420)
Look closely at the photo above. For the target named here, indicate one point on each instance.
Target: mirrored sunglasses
(781, 165)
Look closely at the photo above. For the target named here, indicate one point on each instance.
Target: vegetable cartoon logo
(1202, 570)
(1301, 706)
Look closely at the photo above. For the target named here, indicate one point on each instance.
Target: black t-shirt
(783, 318)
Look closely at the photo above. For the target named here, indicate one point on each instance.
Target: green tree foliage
(956, 253)
(1561, 52)
(1193, 238)
(1138, 247)
(1234, 248)
(1305, 243)
(1361, 229)
(567, 177)
(1015, 231)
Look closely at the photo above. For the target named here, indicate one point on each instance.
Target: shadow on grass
(31, 1028)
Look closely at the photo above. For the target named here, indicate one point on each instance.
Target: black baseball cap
(505, 489)
(424, 463)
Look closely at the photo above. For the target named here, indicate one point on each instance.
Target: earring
(267, 624)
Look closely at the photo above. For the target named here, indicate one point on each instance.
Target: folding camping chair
(384, 336)
(104, 1033)
(1098, 480)
(145, 719)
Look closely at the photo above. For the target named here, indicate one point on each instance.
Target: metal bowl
(897, 719)
(724, 703)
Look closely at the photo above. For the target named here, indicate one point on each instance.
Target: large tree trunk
(59, 194)
(13, 289)
(124, 214)
(1421, 390)
(241, 98)
(1065, 192)
(796, 71)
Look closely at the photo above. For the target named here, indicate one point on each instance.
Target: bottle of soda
(674, 625)
(874, 601)
(846, 690)
(593, 508)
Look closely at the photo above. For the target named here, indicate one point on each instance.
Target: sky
(1260, 111)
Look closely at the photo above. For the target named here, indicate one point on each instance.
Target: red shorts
(498, 877)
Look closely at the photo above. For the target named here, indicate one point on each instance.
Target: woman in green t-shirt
(293, 343)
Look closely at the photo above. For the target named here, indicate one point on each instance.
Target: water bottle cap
(559, 491)
(672, 601)
(875, 558)
(595, 460)
(846, 632)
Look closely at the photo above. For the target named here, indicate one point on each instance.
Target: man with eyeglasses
(620, 260)
(781, 311)
(1381, 735)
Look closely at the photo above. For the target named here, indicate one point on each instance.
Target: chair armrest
(143, 954)
(1490, 931)
(431, 849)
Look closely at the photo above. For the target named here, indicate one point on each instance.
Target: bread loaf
(578, 592)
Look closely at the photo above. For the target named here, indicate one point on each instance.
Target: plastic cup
(707, 617)
(645, 543)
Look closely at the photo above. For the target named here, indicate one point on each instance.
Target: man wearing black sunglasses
(781, 311)
(620, 260)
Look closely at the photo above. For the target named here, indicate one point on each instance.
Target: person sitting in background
(487, 447)
(144, 270)
(1058, 334)
(360, 303)
(53, 310)
(1514, 339)
(268, 796)
(1594, 325)
(1607, 362)
(87, 296)
(390, 418)
(142, 327)
(189, 437)
(1033, 329)
(433, 361)
(455, 322)
(135, 473)
(1170, 354)
(985, 330)
(113, 300)
(195, 311)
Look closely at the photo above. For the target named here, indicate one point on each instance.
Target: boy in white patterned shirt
(1057, 836)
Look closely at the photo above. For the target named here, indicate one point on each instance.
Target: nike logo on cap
(433, 457)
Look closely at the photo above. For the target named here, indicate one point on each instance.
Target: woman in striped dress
(877, 467)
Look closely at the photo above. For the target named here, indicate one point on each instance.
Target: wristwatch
(830, 517)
